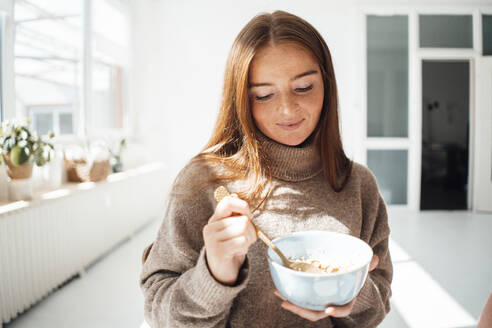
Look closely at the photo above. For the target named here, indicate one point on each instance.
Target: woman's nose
(287, 104)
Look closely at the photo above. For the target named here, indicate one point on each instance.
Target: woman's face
(286, 92)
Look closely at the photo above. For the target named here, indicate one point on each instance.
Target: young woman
(485, 319)
(277, 146)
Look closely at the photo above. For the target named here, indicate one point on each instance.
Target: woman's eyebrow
(252, 85)
(304, 74)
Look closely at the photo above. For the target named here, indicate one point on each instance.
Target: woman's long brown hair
(233, 145)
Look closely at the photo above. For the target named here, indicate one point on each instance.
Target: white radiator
(50, 239)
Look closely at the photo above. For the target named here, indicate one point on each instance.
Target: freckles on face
(286, 92)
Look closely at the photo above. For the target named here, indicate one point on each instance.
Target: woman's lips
(292, 125)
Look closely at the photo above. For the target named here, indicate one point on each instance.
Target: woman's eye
(304, 89)
(263, 98)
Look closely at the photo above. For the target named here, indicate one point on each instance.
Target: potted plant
(91, 164)
(20, 149)
(116, 163)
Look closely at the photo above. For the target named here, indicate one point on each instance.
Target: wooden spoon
(222, 192)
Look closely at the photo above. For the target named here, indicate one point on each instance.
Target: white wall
(181, 49)
(7, 5)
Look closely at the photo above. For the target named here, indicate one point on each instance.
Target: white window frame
(413, 143)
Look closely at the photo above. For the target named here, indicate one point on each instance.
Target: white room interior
(162, 80)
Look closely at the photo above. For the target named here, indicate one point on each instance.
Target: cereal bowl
(316, 291)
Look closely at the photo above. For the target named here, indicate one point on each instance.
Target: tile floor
(442, 263)
(106, 296)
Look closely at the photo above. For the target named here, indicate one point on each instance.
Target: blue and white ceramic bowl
(317, 291)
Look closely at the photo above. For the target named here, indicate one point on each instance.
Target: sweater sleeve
(178, 288)
(372, 303)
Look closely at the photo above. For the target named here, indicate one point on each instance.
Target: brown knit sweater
(179, 289)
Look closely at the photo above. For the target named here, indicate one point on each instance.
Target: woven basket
(23, 171)
(79, 170)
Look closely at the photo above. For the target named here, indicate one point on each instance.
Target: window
(50, 65)
(109, 59)
(390, 169)
(58, 119)
(446, 31)
(487, 35)
(387, 104)
(48, 47)
(387, 76)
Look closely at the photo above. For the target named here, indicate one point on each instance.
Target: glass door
(445, 134)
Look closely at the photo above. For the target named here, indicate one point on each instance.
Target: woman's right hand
(227, 237)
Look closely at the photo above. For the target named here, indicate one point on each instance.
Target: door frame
(413, 143)
(483, 163)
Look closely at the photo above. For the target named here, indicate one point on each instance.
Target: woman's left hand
(331, 311)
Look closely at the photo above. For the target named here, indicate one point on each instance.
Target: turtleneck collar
(291, 163)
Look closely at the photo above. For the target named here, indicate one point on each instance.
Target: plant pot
(78, 170)
(23, 171)
(117, 167)
(20, 189)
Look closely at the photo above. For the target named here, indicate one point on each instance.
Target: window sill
(70, 188)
